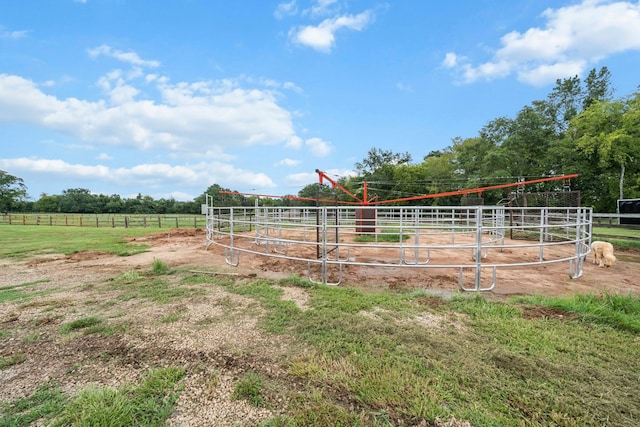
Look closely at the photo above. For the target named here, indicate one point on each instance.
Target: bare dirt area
(213, 333)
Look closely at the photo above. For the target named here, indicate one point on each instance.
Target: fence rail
(199, 221)
(616, 220)
(105, 220)
(476, 240)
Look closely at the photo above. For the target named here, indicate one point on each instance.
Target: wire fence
(104, 220)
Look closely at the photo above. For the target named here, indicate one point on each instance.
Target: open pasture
(157, 327)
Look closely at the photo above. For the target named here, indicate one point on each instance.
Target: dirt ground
(548, 279)
(214, 335)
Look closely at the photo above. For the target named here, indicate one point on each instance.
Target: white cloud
(154, 175)
(573, 38)
(318, 147)
(322, 8)
(13, 35)
(128, 57)
(288, 162)
(292, 86)
(322, 36)
(450, 60)
(300, 179)
(286, 9)
(191, 117)
(104, 156)
(402, 87)
(294, 142)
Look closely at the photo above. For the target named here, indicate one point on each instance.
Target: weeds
(501, 367)
(21, 292)
(43, 404)
(297, 281)
(618, 311)
(384, 237)
(172, 317)
(82, 323)
(147, 404)
(130, 276)
(249, 388)
(159, 267)
(7, 361)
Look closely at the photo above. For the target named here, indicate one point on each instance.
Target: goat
(603, 254)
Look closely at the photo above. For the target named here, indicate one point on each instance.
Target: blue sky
(166, 98)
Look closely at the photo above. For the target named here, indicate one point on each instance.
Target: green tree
(597, 87)
(473, 156)
(12, 191)
(214, 192)
(530, 136)
(77, 200)
(115, 204)
(313, 191)
(434, 175)
(571, 95)
(377, 159)
(377, 170)
(609, 131)
(47, 203)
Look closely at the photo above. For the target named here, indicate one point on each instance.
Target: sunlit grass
(42, 405)
(28, 240)
(22, 292)
(481, 361)
(149, 403)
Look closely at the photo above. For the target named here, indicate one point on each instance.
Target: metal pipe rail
(479, 240)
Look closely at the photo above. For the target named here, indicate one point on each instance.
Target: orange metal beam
(374, 201)
(334, 184)
(478, 190)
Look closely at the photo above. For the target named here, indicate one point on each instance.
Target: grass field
(353, 357)
(30, 240)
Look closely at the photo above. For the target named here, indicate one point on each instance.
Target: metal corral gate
(471, 239)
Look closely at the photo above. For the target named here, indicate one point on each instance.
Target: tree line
(578, 128)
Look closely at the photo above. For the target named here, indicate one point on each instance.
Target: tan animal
(603, 254)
